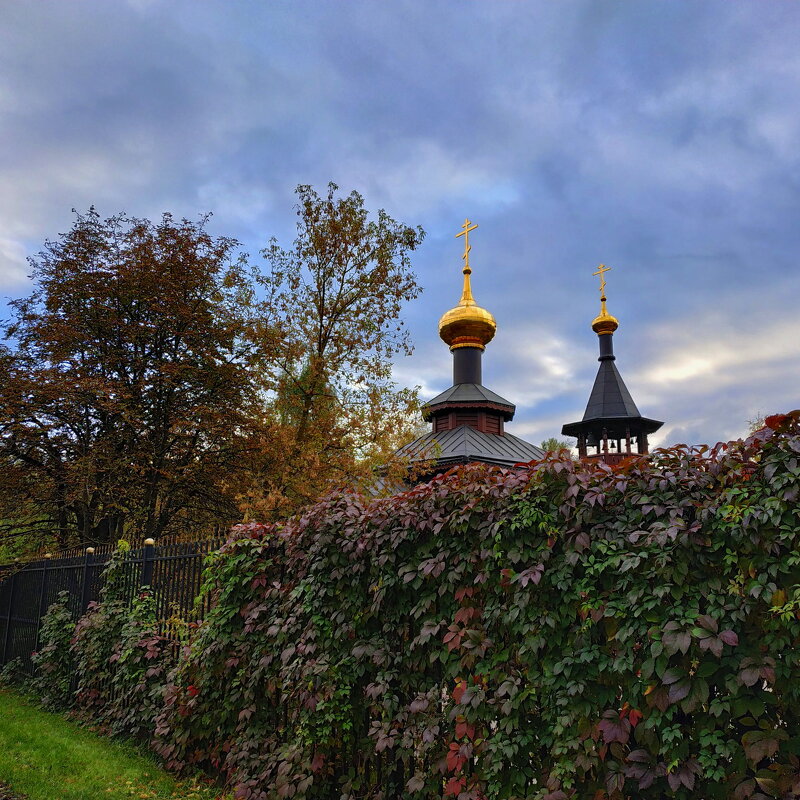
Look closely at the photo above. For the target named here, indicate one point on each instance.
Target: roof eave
(429, 409)
(645, 424)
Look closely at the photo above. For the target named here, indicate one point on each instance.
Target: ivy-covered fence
(172, 570)
(565, 631)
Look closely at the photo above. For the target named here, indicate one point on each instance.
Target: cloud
(534, 364)
(713, 374)
(538, 429)
(417, 175)
(13, 265)
(709, 358)
(658, 138)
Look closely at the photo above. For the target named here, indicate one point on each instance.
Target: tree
(756, 422)
(124, 395)
(328, 328)
(553, 445)
(153, 382)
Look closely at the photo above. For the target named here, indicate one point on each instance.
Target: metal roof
(610, 396)
(464, 444)
(469, 395)
(615, 427)
(611, 407)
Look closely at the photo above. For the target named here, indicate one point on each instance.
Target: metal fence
(173, 571)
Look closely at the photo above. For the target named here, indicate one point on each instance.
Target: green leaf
(673, 675)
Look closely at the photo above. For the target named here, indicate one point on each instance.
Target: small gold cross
(467, 226)
(601, 271)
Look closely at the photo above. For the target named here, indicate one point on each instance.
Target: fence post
(42, 599)
(147, 563)
(7, 634)
(87, 562)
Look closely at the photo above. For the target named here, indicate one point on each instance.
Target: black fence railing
(173, 571)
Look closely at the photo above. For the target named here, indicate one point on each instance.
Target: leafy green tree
(553, 445)
(756, 422)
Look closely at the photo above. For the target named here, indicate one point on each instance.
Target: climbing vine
(112, 665)
(53, 660)
(562, 631)
(567, 630)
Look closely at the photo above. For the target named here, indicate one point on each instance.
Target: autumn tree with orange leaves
(328, 327)
(155, 383)
(124, 392)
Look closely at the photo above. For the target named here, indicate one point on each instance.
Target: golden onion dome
(467, 325)
(604, 322)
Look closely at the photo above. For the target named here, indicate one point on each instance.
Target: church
(468, 420)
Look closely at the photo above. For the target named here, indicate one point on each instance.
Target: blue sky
(661, 138)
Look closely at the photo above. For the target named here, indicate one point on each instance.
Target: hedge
(567, 630)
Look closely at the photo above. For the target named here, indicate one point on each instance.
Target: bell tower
(611, 426)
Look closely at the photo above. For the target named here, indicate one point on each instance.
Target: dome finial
(467, 325)
(466, 296)
(603, 322)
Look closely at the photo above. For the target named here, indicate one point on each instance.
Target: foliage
(124, 386)
(112, 664)
(154, 382)
(96, 641)
(13, 674)
(23, 534)
(567, 631)
(756, 422)
(328, 328)
(552, 445)
(141, 661)
(52, 682)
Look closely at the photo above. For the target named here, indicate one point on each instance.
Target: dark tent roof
(469, 394)
(611, 407)
(464, 444)
(610, 396)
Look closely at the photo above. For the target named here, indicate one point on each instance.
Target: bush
(121, 660)
(13, 674)
(564, 631)
(141, 661)
(112, 664)
(96, 639)
(52, 681)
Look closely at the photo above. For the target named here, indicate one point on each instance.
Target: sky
(660, 138)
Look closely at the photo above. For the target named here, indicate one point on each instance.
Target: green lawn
(48, 757)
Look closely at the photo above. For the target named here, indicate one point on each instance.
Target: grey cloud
(13, 265)
(659, 138)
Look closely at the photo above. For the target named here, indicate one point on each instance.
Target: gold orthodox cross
(467, 226)
(601, 271)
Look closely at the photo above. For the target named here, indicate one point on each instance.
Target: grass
(49, 757)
